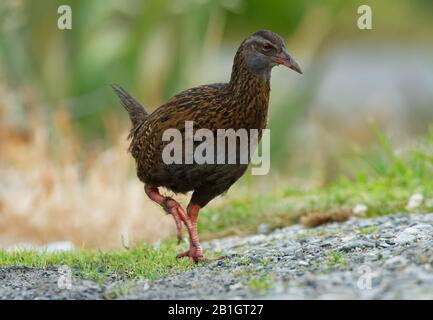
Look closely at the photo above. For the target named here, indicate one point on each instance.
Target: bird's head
(264, 50)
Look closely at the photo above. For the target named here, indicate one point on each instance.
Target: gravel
(389, 257)
(51, 283)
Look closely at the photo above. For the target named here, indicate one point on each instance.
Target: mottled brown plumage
(240, 103)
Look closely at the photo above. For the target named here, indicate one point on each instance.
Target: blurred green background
(320, 122)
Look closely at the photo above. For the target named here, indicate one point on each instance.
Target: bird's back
(211, 107)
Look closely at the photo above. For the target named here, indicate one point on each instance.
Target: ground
(388, 257)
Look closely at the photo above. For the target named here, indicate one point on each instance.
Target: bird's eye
(267, 47)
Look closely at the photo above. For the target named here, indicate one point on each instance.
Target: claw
(192, 256)
(199, 258)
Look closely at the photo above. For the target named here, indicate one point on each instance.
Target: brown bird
(241, 103)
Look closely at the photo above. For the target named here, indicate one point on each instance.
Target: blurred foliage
(156, 48)
(62, 130)
(395, 179)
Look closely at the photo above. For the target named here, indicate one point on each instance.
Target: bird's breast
(254, 112)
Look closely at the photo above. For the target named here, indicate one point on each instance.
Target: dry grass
(317, 218)
(57, 193)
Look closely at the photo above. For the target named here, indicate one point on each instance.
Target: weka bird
(241, 103)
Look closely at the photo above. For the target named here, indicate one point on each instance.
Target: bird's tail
(136, 112)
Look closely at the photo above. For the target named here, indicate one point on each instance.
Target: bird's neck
(251, 91)
(244, 81)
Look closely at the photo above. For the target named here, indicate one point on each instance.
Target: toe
(183, 254)
(200, 259)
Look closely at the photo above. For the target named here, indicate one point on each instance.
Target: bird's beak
(285, 59)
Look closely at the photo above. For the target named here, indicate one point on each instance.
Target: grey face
(265, 49)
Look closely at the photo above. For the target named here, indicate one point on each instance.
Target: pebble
(397, 262)
(356, 244)
(407, 236)
(303, 263)
(322, 263)
(60, 246)
(263, 229)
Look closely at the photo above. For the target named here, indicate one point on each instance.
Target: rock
(366, 223)
(293, 262)
(263, 229)
(327, 243)
(413, 233)
(383, 244)
(360, 209)
(425, 230)
(415, 201)
(387, 235)
(236, 286)
(356, 244)
(404, 238)
(397, 262)
(58, 246)
(348, 238)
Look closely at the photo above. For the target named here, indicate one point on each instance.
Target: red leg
(170, 205)
(195, 252)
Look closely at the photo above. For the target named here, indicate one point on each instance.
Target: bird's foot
(193, 256)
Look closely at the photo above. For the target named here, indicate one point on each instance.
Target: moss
(368, 230)
(261, 283)
(337, 258)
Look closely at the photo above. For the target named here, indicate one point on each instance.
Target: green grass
(243, 215)
(385, 186)
(382, 195)
(385, 190)
(368, 230)
(336, 258)
(260, 283)
(142, 262)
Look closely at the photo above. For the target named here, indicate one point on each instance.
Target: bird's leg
(195, 252)
(170, 206)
